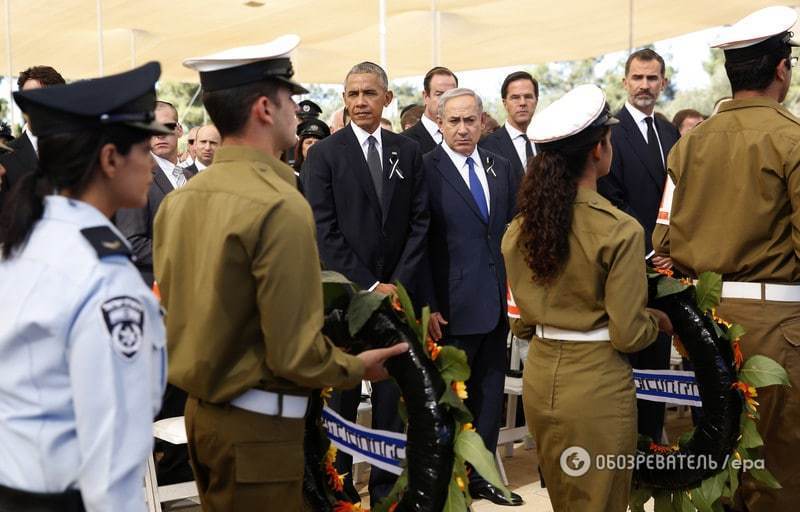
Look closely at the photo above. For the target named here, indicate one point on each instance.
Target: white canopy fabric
(335, 34)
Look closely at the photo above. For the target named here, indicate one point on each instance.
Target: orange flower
(749, 393)
(461, 389)
(664, 272)
(326, 393)
(392, 506)
(335, 480)
(686, 281)
(396, 304)
(433, 348)
(346, 506)
(157, 291)
(738, 358)
(660, 448)
(679, 346)
(468, 426)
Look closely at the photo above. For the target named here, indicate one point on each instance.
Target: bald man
(206, 144)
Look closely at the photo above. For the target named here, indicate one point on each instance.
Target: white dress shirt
(197, 163)
(519, 139)
(167, 167)
(432, 128)
(460, 161)
(639, 117)
(33, 138)
(362, 136)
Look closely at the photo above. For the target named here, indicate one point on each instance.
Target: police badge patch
(124, 317)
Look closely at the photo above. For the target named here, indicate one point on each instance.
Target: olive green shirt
(736, 205)
(603, 282)
(237, 265)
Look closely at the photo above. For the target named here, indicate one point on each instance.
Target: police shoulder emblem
(124, 318)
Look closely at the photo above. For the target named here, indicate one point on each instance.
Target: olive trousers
(581, 394)
(245, 461)
(773, 330)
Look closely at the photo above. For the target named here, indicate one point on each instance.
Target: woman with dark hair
(309, 132)
(81, 336)
(576, 272)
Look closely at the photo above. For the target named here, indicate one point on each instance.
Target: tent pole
(630, 26)
(8, 62)
(100, 50)
(133, 47)
(382, 33)
(188, 105)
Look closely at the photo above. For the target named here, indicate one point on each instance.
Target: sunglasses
(191, 141)
(171, 126)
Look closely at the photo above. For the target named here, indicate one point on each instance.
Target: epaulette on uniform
(106, 242)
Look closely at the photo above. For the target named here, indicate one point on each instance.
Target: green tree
(180, 94)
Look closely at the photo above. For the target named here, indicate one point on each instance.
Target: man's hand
(386, 289)
(664, 323)
(435, 325)
(374, 359)
(664, 262)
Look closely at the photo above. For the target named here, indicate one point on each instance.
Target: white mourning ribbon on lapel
(394, 161)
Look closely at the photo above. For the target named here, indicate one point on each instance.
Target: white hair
(455, 93)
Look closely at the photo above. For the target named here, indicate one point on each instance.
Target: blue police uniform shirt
(83, 364)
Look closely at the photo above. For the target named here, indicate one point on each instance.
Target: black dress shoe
(485, 490)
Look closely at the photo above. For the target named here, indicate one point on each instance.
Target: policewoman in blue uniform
(81, 336)
(576, 272)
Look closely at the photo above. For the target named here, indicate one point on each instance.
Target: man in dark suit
(22, 158)
(366, 189)
(137, 223)
(426, 132)
(520, 94)
(635, 184)
(471, 194)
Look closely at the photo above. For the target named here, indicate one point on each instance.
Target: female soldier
(576, 271)
(81, 337)
(309, 132)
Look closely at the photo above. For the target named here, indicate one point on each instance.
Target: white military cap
(760, 27)
(573, 114)
(248, 64)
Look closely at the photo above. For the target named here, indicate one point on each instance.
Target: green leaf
(426, 318)
(765, 477)
(708, 290)
(681, 502)
(395, 494)
(735, 331)
(452, 363)
(460, 469)
(408, 309)
(456, 501)
(713, 486)
(669, 286)
(638, 497)
(457, 407)
(760, 371)
(402, 411)
(469, 445)
(685, 438)
(700, 500)
(336, 290)
(733, 479)
(362, 306)
(750, 436)
(662, 500)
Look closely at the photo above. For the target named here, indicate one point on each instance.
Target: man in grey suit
(137, 223)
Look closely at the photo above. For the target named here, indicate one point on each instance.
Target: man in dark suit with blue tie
(520, 94)
(635, 184)
(426, 132)
(366, 189)
(471, 196)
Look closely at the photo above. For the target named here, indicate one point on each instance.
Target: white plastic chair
(171, 430)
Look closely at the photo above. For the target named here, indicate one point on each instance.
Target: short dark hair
(755, 74)
(518, 75)
(45, 75)
(645, 54)
(683, 115)
(438, 70)
(229, 109)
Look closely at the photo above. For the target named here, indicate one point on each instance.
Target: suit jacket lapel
(639, 146)
(509, 144)
(161, 180)
(491, 180)
(358, 164)
(446, 168)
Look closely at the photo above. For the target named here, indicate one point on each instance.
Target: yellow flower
(460, 483)
(326, 393)
(468, 426)
(331, 455)
(460, 389)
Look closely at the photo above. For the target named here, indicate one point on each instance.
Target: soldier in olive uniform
(735, 209)
(579, 284)
(238, 270)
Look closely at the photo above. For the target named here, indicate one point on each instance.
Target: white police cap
(581, 108)
(758, 27)
(248, 64)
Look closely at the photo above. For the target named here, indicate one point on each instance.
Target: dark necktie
(528, 147)
(477, 190)
(375, 167)
(652, 144)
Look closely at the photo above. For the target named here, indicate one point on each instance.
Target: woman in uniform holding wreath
(576, 271)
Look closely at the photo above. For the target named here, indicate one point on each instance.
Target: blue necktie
(477, 190)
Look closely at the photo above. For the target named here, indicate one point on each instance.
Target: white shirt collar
(362, 135)
(33, 138)
(433, 129)
(636, 114)
(513, 132)
(460, 160)
(166, 167)
(197, 163)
